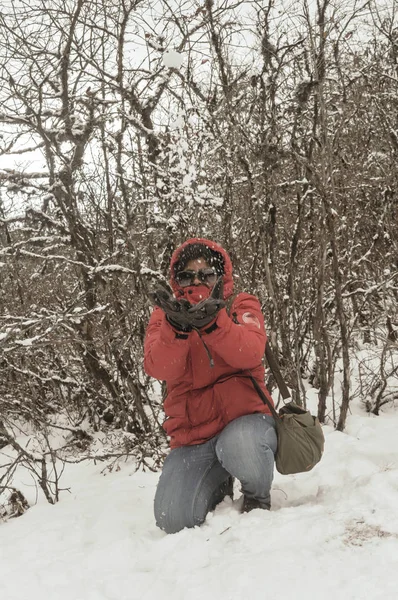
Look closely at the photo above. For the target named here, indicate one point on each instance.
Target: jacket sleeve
(241, 345)
(165, 350)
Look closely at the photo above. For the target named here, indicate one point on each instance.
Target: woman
(219, 427)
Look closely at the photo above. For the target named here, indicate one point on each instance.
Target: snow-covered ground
(331, 533)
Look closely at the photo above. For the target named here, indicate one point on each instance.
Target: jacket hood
(218, 257)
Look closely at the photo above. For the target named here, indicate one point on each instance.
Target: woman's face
(195, 265)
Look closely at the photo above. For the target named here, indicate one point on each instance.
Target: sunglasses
(206, 276)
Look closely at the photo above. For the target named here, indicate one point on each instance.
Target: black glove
(176, 311)
(204, 312)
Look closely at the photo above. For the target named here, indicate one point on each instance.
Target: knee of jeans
(173, 516)
(247, 432)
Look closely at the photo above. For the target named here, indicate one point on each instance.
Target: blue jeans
(194, 478)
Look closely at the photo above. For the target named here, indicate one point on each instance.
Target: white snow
(331, 534)
(27, 342)
(172, 59)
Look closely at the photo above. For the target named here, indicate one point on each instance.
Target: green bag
(300, 440)
(300, 436)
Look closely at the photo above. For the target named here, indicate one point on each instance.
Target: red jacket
(201, 400)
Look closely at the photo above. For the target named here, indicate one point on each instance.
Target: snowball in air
(172, 59)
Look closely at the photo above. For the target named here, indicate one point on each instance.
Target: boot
(251, 503)
(228, 487)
